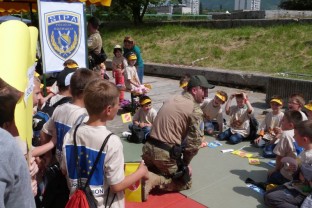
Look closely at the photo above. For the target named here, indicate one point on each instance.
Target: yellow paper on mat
(126, 117)
(242, 153)
(134, 192)
(254, 161)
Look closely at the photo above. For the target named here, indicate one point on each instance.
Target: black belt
(159, 144)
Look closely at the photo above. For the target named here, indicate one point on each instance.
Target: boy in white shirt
(213, 115)
(102, 103)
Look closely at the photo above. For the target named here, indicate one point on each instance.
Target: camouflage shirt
(95, 42)
(180, 119)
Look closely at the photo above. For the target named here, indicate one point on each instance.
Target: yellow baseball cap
(183, 84)
(308, 106)
(222, 97)
(276, 100)
(132, 57)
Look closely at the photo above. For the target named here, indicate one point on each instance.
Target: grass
(269, 50)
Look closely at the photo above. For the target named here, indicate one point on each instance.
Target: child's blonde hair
(298, 98)
(99, 94)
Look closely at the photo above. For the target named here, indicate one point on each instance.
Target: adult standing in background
(94, 42)
(129, 46)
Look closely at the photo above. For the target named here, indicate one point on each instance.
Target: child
(102, 103)
(268, 128)
(292, 194)
(212, 110)
(53, 131)
(308, 108)
(119, 64)
(101, 71)
(240, 119)
(145, 116)
(184, 81)
(296, 102)
(286, 147)
(132, 81)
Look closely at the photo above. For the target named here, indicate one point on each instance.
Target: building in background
(193, 6)
(253, 5)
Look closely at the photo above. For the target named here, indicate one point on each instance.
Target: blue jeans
(141, 73)
(145, 129)
(232, 138)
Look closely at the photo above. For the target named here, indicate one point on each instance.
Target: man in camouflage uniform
(94, 39)
(175, 138)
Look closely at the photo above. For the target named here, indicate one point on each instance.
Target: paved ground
(218, 178)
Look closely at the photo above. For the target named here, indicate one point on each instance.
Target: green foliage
(275, 49)
(296, 4)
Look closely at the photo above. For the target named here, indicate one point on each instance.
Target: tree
(296, 4)
(137, 7)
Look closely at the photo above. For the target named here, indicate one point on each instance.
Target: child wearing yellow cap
(269, 128)
(132, 81)
(145, 115)
(308, 108)
(213, 115)
(184, 81)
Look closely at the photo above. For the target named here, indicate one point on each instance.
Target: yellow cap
(222, 97)
(132, 57)
(308, 106)
(41, 86)
(183, 84)
(146, 101)
(279, 101)
(72, 66)
(36, 74)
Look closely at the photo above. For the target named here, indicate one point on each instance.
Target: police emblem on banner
(63, 31)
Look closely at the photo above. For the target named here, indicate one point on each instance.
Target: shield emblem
(63, 33)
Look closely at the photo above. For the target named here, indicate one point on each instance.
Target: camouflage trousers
(159, 162)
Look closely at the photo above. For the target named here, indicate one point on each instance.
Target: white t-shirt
(110, 168)
(211, 111)
(63, 118)
(269, 123)
(146, 117)
(131, 74)
(239, 121)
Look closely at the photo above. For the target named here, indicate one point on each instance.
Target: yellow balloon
(17, 55)
(14, 52)
(33, 43)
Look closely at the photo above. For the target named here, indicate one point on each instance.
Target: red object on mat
(167, 200)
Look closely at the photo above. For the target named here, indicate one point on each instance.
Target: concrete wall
(275, 14)
(238, 79)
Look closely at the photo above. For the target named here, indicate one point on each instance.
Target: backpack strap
(76, 156)
(107, 198)
(61, 101)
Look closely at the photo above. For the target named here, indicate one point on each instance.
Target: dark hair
(94, 22)
(69, 62)
(117, 49)
(304, 129)
(9, 97)
(185, 78)
(80, 79)
(293, 116)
